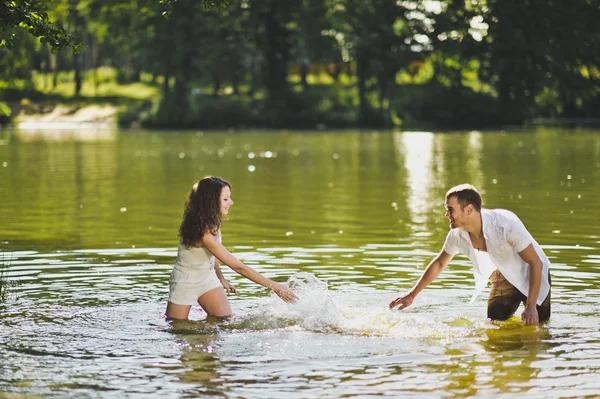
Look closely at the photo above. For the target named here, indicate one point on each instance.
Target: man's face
(456, 215)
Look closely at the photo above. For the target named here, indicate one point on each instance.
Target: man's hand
(530, 315)
(403, 301)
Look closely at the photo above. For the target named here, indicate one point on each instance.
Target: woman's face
(225, 200)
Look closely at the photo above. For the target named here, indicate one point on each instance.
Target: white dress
(193, 275)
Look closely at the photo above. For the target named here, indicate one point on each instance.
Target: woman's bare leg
(215, 303)
(175, 311)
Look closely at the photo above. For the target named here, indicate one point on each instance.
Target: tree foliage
(32, 15)
(449, 61)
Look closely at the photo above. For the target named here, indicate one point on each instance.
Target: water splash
(320, 310)
(314, 310)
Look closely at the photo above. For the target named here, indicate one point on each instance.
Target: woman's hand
(284, 293)
(228, 287)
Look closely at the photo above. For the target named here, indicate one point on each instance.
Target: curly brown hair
(202, 211)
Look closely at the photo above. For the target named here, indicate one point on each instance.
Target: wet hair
(202, 211)
(465, 194)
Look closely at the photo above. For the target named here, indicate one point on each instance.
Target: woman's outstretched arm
(212, 243)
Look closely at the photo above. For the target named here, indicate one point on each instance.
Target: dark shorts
(505, 298)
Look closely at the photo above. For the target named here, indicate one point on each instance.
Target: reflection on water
(417, 149)
(89, 228)
(92, 132)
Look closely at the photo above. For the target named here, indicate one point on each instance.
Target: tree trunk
(276, 49)
(137, 73)
(77, 24)
(304, 73)
(181, 103)
(165, 86)
(383, 109)
(55, 77)
(78, 83)
(254, 78)
(361, 72)
(235, 82)
(93, 61)
(216, 84)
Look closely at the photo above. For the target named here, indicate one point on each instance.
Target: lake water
(88, 233)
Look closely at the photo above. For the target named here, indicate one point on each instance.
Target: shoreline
(102, 115)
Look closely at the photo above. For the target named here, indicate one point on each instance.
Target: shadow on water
(513, 335)
(500, 360)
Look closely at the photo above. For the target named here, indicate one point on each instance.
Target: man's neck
(475, 229)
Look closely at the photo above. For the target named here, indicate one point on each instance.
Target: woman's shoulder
(209, 237)
(183, 247)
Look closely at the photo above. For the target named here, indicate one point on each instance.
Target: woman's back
(194, 258)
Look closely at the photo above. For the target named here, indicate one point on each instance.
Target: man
(501, 250)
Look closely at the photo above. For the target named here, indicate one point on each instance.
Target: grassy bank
(415, 102)
(52, 99)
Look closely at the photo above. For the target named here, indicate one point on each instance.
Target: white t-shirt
(505, 237)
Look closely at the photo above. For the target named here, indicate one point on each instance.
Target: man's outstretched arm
(432, 271)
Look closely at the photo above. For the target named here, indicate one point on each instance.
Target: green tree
(380, 37)
(33, 16)
(534, 46)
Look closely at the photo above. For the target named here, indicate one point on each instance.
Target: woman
(196, 276)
